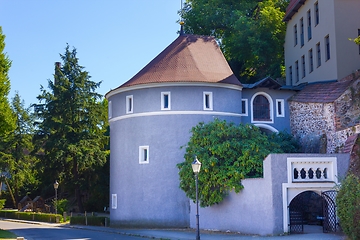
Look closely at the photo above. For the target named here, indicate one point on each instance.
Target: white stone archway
(297, 184)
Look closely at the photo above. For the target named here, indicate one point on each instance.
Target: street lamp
(196, 165)
(56, 186)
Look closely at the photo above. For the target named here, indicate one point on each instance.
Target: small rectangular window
(311, 61)
(317, 19)
(114, 201)
(291, 75)
(208, 101)
(303, 66)
(244, 107)
(129, 104)
(327, 48)
(280, 112)
(165, 101)
(297, 71)
(143, 154)
(109, 109)
(302, 31)
(309, 25)
(318, 55)
(295, 35)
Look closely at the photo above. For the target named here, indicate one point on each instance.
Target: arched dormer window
(262, 108)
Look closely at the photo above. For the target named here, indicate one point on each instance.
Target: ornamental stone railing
(320, 169)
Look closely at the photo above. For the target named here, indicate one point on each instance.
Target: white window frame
(209, 96)
(129, 104)
(109, 109)
(271, 106)
(142, 151)
(245, 112)
(163, 94)
(114, 201)
(282, 102)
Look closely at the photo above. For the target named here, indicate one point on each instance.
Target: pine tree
(71, 131)
(6, 116)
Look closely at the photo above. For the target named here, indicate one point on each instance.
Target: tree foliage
(251, 33)
(348, 206)
(228, 153)
(6, 115)
(71, 129)
(16, 148)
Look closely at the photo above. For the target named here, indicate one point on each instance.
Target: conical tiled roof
(189, 58)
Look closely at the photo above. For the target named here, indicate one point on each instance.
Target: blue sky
(114, 38)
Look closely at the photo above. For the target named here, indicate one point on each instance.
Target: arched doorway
(306, 212)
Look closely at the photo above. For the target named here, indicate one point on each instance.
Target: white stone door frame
(299, 184)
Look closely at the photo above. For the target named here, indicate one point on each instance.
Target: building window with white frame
(244, 107)
(109, 109)
(143, 154)
(295, 35)
(318, 55)
(303, 66)
(208, 100)
(311, 61)
(302, 32)
(114, 201)
(297, 71)
(165, 101)
(261, 108)
(327, 48)
(291, 75)
(309, 25)
(280, 108)
(317, 18)
(129, 104)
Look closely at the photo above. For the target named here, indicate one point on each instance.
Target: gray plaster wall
(258, 208)
(148, 195)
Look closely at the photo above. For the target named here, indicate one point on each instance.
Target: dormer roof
(190, 58)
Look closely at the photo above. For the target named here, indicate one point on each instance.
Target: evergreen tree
(6, 116)
(70, 131)
(251, 33)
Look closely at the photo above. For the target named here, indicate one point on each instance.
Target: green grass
(7, 235)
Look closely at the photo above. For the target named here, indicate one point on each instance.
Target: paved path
(182, 234)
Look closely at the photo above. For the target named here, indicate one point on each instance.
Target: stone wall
(324, 127)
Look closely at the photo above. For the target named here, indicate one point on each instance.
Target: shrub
(228, 153)
(2, 203)
(62, 205)
(348, 206)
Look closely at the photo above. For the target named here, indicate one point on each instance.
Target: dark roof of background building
(267, 82)
(292, 8)
(190, 58)
(324, 92)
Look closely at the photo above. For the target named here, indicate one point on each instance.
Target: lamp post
(196, 165)
(56, 186)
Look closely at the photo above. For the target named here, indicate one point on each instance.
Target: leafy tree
(348, 206)
(18, 162)
(70, 133)
(251, 33)
(228, 153)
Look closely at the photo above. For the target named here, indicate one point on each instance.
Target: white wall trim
(146, 114)
(172, 84)
(260, 125)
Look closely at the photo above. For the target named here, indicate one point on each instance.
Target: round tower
(151, 116)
